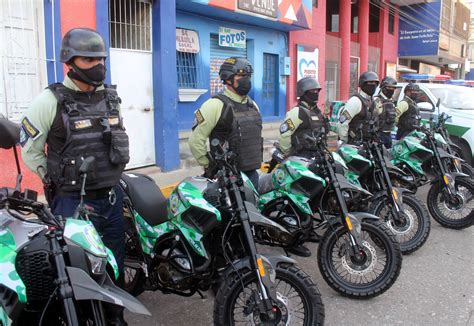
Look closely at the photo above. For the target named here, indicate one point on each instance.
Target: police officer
(231, 116)
(408, 114)
(303, 119)
(359, 110)
(76, 119)
(386, 107)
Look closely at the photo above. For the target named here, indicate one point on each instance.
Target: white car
(455, 101)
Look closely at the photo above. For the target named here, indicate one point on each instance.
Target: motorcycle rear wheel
(134, 277)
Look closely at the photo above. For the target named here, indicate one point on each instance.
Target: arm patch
(30, 129)
(199, 117)
(344, 117)
(287, 125)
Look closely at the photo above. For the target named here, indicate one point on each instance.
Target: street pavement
(435, 287)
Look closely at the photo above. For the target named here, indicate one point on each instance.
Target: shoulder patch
(199, 117)
(23, 136)
(287, 125)
(344, 116)
(30, 129)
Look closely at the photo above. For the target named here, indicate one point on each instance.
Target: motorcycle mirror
(86, 164)
(438, 102)
(9, 133)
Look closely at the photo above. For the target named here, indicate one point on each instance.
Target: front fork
(266, 286)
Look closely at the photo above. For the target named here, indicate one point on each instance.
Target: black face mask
(414, 96)
(243, 85)
(93, 76)
(369, 89)
(388, 92)
(311, 98)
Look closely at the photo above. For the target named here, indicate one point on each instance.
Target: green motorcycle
(368, 165)
(358, 255)
(52, 270)
(201, 238)
(422, 156)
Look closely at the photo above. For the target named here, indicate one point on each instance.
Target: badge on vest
(315, 118)
(113, 121)
(82, 124)
(30, 130)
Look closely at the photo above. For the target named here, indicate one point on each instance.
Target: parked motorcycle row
(358, 203)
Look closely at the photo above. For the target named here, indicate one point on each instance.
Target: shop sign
(232, 38)
(307, 62)
(262, 7)
(187, 41)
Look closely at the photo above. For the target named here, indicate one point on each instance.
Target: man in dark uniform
(231, 116)
(408, 114)
(359, 110)
(76, 119)
(385, 105)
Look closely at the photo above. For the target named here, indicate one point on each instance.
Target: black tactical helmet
(82, 42)
(305, 84)
(412, 87)
(234, 65)
(388, 81)
(368, 76)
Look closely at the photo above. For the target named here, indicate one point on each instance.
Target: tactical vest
(388, 115)
(367, 113)
(241, 126)
(409, 120)
(311, 121)
(90, 125)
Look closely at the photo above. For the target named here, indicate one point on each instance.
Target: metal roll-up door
(218, 55)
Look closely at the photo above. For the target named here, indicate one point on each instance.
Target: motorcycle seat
(146, 197)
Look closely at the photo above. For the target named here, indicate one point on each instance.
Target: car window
(459, 97)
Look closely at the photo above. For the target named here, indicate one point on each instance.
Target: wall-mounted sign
(307, 62)
(232, 38)
(187, 41)
(262, 7)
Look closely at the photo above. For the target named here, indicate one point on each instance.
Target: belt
(90, 194)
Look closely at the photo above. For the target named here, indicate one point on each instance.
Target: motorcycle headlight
(98, 264)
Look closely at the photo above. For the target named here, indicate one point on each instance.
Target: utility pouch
(119, 147)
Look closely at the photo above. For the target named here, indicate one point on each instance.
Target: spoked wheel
(134, 277)
(372, 272)
(412, 229)
(298, 300)
(453, 211)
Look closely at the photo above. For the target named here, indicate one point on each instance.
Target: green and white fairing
(14, 234)
(410, 151)
(4, 319)
(187, 196)
(84, 234)
(284, 178)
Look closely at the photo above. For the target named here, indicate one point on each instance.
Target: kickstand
(287, 253)
(201, 294)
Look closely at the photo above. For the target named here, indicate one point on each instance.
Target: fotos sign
(187, 41)
(232, 38)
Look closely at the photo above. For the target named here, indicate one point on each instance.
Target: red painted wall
(77, 13)
(316, 37)
(8, 172)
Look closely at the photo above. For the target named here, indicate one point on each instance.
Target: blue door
(269, 102)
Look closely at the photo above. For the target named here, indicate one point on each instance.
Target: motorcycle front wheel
(453, 211)
(298, 300)
(413, 229)
(363, 278)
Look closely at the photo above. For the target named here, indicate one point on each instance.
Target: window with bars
(130, 24)
(187, 70)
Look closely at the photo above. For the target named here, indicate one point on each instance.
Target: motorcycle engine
(174, 273)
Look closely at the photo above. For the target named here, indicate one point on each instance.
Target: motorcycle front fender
(346, 185)
(85, 288)
(444, 154)
(256, 218)
(449, 179)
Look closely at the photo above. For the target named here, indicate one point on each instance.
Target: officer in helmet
(386, 107)
(71, 121)
(232, 117)
(359, 111)
(303, 119)
(408, 114)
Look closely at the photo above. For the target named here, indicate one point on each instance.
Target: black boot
(300, 250)
(313, 236)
